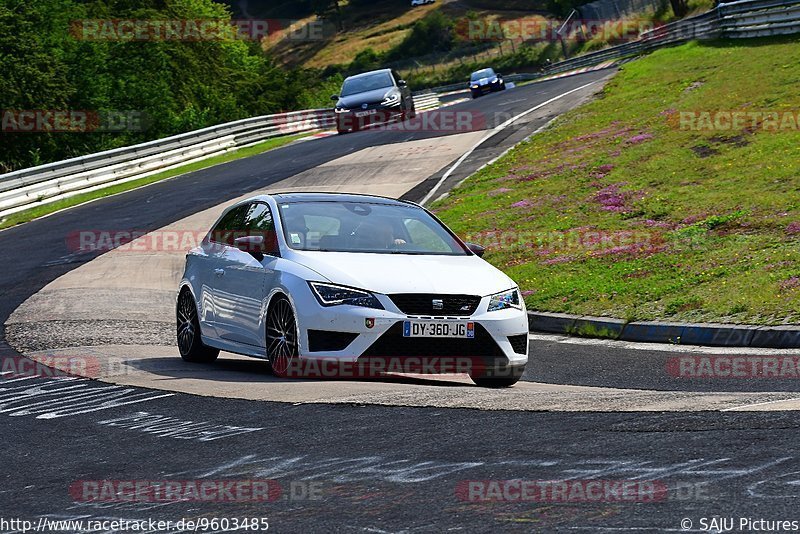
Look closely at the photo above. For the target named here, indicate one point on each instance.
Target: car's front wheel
(282, 347)
(498, 377)
(190, 343)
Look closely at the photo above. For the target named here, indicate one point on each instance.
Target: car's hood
(368, 97)
(407, 273)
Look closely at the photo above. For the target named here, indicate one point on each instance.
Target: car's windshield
(485, 73)
(334, 226)
(362, 84)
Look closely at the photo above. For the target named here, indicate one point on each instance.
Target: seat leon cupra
(375, 283)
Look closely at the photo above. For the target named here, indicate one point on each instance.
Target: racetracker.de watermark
(71, 121)
(194, 30)
(567, 240)
(562, 491)
(735, 366)
(241, 491)
(443, 120)
(380, 366)
(737, 120)
(87, 241)
(538, 29)
(60, 366)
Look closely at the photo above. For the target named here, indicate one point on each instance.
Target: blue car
(485, 81)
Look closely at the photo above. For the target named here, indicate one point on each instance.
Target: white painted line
(493, 132)
(743, 408)
(662, 347)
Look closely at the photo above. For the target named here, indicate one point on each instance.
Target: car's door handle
(219, 272)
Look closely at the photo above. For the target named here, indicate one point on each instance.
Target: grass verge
(46, 209)
(620, 209)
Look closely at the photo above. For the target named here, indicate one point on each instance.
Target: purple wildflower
(641, 138)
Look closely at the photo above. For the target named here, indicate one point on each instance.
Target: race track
(388, 455)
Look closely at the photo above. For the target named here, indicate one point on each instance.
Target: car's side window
(259, 222)
(258, 219)
(230, 226)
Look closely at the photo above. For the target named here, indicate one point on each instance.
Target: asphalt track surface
(373, 468)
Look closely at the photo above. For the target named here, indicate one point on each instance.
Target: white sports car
(365, 282)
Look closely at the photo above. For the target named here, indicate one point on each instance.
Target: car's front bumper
(354, 120)
(486, 88)
(501, 337)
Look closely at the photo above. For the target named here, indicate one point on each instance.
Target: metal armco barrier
(736, 20)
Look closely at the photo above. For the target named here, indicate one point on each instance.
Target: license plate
(438, 329)
(365, 113)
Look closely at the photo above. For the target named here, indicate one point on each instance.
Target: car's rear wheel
(190, 344)
(498, 377)
(282, 348)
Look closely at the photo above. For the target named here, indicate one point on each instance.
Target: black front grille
(392, 344)
(423, 304)
(328, 341)
(519, 343)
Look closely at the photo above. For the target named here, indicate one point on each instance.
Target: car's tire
(475, 95)
(499, 377)
(342, 132)
(190, 344)
(281, 337)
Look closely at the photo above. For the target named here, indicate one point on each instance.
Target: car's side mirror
(401, 83)
(334, 97)
(252, 244)
(476, 249)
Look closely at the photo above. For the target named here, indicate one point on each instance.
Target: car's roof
(368, 73)
(336, 197)
(483, 69)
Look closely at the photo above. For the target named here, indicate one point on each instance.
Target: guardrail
(35, 186)
(736, 20)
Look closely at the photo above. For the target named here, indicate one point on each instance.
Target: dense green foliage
(176, 85)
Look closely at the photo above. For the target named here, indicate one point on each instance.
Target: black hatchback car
(371, 98)
(485, 81)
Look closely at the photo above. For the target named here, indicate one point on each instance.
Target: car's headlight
(341, 110)
(391, 99)
(475, 86)
(505, 300)
(333, 295)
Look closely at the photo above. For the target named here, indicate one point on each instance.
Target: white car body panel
(232, 307)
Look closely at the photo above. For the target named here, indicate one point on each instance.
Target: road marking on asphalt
(661, 347)
(746, 406)
(494, 131)
(173, 427)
